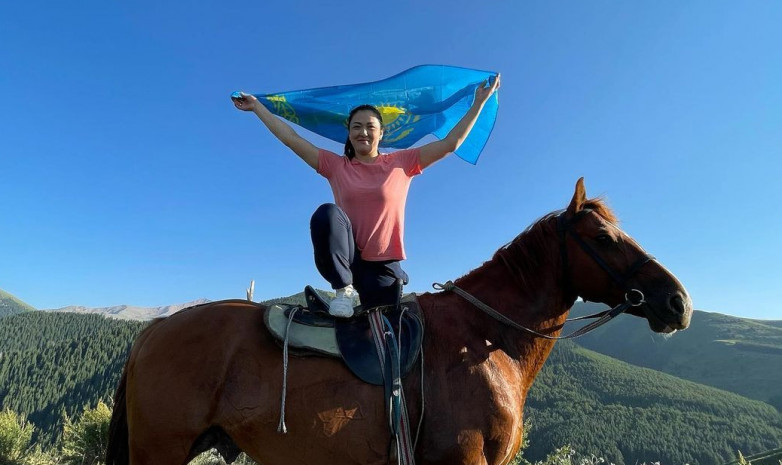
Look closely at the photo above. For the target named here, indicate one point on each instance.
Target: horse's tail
(117, 450)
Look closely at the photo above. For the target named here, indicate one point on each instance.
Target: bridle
(565, 227)
(633, 297)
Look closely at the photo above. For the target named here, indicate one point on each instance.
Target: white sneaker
(342, 305)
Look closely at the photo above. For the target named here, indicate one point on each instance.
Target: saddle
(380, 345)
(312, 330)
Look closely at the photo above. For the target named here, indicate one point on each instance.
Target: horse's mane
(601, 208)
(531, 250)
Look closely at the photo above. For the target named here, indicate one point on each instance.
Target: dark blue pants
(339, 261)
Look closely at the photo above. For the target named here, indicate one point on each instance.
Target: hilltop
(10, 305)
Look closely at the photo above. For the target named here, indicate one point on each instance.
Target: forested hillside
(628, 414)
(10, 305)
(52, 363)
(736, 354)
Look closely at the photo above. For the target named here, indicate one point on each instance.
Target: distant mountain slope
(130, 312)
(631, 415)
(736, 354)
(10, 305)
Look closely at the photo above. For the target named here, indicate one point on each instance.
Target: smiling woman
(359, 239)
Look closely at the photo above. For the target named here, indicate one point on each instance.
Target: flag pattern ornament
(427, 99)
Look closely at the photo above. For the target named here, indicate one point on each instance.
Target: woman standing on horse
(359, 241)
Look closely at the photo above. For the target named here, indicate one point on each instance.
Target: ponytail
(350, 152)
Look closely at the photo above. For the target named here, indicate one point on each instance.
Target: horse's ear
(579, 197)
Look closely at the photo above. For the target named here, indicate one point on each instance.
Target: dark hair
(350, 152)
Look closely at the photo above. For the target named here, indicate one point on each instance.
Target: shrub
(15, 436)
(85, 441)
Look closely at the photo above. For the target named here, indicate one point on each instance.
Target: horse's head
(604, 264)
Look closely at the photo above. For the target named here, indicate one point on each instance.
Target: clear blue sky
(127, 177)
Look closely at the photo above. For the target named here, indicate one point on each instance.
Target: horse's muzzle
(674, 312)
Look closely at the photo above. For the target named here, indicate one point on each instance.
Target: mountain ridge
(130, 312)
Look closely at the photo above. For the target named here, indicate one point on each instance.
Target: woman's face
(365, 132)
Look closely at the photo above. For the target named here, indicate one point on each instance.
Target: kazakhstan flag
(428, 99)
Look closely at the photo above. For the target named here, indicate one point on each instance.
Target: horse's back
(184, 368)
(205, 335)
(216, 366)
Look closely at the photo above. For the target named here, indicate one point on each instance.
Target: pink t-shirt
(373, 195)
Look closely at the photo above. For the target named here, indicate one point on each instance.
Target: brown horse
(211, 376)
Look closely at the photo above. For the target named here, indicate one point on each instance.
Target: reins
(633, 297)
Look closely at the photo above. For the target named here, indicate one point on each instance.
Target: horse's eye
(604, 239)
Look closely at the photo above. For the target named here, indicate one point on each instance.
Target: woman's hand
(484, 91)
(300, 146)
(245, 102)
(436, 150)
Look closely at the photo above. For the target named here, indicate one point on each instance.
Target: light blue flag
(428, 99)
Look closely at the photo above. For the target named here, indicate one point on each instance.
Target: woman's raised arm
(281, 130)
(437, 150)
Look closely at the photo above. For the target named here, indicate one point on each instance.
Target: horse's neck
(533, 297)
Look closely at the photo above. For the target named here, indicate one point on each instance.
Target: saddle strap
(281, 428)
(393, 384)
(388, 356)
(405, 449)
